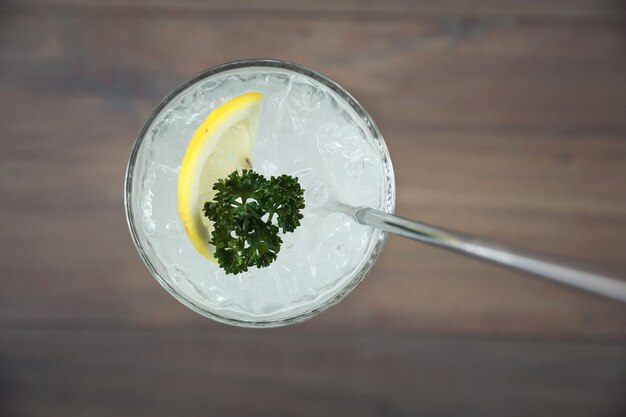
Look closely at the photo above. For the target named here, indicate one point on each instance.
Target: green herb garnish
(248, 213)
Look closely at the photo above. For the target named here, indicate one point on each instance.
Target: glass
(310, 127)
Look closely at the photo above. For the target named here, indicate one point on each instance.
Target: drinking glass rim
(344, 95)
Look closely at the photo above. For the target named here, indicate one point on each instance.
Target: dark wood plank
(509, 128)
(242, 372)
(559, 8)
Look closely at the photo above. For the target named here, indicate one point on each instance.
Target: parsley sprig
(248, 213)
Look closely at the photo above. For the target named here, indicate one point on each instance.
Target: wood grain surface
(554, 8)
(504, 119)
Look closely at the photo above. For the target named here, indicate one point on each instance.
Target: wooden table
(506, 119)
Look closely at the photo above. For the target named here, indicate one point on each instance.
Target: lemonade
(309, 128)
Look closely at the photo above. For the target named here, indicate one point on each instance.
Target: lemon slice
(222, 144)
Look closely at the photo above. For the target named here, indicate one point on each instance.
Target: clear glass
(309, 127)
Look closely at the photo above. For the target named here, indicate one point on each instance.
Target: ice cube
(340, 242)
(176, 273)
(355, 165)
(316, 195)
(207, 93)
(267, 168)
(159, 210)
